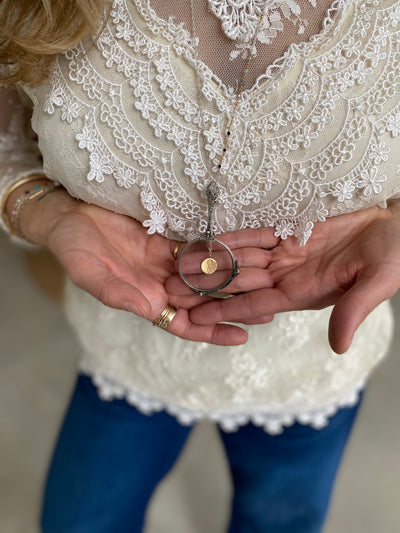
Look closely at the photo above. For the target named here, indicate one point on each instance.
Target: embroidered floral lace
(315, 135)
(241, 21)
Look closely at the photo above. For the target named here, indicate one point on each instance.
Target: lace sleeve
(19, 152)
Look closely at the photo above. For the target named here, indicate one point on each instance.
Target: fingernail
(133, 308)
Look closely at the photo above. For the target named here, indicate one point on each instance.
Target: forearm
(40, 214)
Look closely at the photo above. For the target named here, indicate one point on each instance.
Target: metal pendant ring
(203, 292)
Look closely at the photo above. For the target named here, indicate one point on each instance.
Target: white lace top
(315, 135)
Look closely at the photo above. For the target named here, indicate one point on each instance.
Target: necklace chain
(241, 82)
(209, 264)
(212, 190)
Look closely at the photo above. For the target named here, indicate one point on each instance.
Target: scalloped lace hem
(272, 423)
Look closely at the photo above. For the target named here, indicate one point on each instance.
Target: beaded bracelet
(38, 191)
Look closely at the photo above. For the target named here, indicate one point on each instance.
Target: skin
(351, 261)
(112, 257)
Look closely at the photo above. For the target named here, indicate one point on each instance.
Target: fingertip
(229, 335)
(341, 348)
(340, 333)
(175, 287)
(137, 309)
(240, 336)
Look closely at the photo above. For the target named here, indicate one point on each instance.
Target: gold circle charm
(209, 265)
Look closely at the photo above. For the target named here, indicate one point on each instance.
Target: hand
(113, 258)
(351, 261)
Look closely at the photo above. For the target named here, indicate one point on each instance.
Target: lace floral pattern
(291, 161)
(256, 20)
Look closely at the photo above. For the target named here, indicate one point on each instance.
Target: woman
(181, 120)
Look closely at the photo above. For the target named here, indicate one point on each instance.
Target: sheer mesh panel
(215, 48)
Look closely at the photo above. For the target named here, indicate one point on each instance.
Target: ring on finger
(166, 316)
(175, 252)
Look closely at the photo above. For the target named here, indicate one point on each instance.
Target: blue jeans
(110, 457)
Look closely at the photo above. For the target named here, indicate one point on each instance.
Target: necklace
(213, 247)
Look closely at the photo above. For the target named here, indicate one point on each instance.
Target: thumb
(112, 291)
(356, 304)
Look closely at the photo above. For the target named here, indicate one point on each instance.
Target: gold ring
(166, 316)
(175, 253)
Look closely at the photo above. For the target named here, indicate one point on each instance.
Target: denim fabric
(282, 484)
(110, 457)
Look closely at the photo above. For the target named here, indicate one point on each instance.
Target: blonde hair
(33, 32)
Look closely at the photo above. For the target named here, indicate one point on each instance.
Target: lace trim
(266, 418)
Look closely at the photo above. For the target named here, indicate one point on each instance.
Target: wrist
(37, 216)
